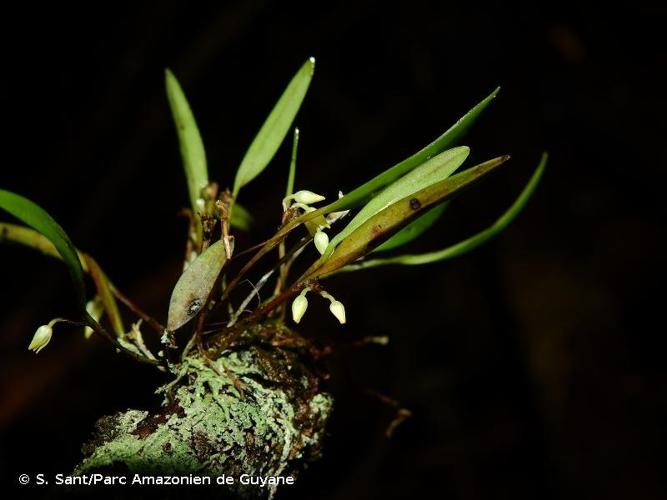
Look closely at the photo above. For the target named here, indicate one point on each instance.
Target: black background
(533, 366)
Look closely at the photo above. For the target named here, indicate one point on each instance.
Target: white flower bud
(43, 335)
(299, 307)
(307, 197)
(338, 310)
(41, 338)
(321, 240)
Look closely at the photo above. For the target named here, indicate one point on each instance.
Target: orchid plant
(364, 227)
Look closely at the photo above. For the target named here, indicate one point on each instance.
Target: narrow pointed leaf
(360, 194)
(448, 138)
(275, 128)
(292, 165)
(413, 230)
(106, 296)
(241, 218)
(384, 224)
(37, 218)
(430, 172)
(468, 244)
(191, 145)
(195, 285)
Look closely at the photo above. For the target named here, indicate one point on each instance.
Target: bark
(258, 409)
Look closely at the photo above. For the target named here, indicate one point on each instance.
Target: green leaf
(106, 296)
(292, 165)
(241, 218)
(37, 218)
(413, 230)
(360, 194)
(448, 138)
(34, 239)
(275, 128)
(195, 285)
(430, 172)
(469, 244)
(28, 237)
(192, 147)
(384, 224)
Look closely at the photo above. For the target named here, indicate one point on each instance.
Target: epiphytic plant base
(258, 409)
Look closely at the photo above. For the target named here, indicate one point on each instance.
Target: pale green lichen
(231, 416)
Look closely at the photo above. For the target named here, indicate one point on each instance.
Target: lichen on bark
(257, 409)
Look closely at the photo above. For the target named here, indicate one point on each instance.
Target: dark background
(533, 366)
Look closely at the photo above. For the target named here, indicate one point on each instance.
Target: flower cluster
(300, 305)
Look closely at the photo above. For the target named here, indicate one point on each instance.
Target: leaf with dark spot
(448, 138)
(385, 223)
(195, 285)
(468, 244)
(415, 229)
(430, 172)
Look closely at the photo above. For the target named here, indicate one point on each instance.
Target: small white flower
(307, 197)
(299, 306)
(338, 310)
(302, 199)
(321, 240)
(41, 338)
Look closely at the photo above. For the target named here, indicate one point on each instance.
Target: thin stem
(233, 333)
(225, 205)
(200, 328)
(282, 278)
(271, 243)
(280, 282)
(255, 291)
(294, 252)
(192, 235)
(137, 339)
(100, 330)
(292, 169)
(153, 323)
(189, 346)
(249, 265)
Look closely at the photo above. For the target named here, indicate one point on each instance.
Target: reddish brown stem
(153, 323)
(232, 333)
